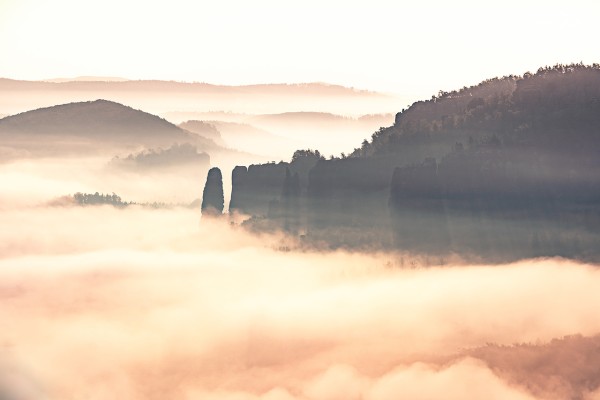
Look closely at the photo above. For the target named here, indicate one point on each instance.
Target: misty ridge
(87, 127)
(327, 115)
(177, 154)
(167, 97)
(279, 135)
(450, 254)
(504, 170)
(123, 143)
(91, 127)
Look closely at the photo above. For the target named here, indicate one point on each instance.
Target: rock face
(272, 190)
(212, 197)
(505, 170)
(238, 189)
(254, 188)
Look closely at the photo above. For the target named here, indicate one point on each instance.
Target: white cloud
(142, 303)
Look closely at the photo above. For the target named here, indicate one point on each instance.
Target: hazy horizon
(253, 213)
(408, 49)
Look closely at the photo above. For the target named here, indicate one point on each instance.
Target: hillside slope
(91, 119)
(504, 170)
(556, 106)
(100, 124)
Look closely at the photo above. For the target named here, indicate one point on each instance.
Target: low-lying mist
(29, 182)
(102, 302)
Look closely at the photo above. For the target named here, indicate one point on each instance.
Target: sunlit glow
(390, 46)
(135, 302)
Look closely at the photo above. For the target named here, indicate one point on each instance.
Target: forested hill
(504, 170)
(548, 108)
(92, 126)
(91, 118)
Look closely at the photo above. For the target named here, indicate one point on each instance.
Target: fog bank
(104, 303)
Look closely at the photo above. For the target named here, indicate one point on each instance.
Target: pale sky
(409, 48)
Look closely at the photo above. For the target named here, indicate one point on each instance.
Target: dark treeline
(502, 170)
(85, 199)
(97, 199)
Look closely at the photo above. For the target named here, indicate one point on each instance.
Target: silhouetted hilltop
(527, 110)
(503, 170)
(95, 124)
(91, 119)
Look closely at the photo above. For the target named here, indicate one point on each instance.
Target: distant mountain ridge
(279, 135)
(163, 97)
(289, 117)
(86, 79)
(161, 85)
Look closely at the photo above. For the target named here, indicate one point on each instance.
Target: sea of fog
(102, 303)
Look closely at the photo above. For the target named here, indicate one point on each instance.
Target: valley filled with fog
(142, 303)
(114, 285)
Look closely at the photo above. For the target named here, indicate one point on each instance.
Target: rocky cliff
(503, 170)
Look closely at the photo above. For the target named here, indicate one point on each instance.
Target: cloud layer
(107, 303)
